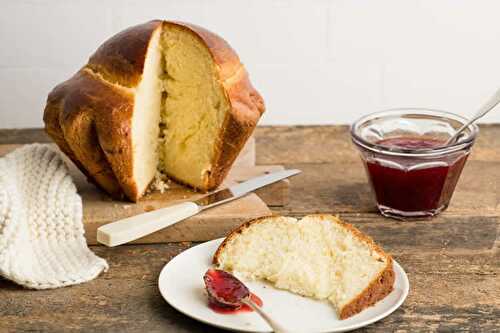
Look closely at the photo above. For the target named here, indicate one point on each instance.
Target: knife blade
(132, 228)
(237, 191)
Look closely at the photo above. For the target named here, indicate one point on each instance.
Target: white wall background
(315, 62)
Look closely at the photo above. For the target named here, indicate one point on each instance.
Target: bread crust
(377, 289)
(89, 116)
(74, 119)
(121, 58)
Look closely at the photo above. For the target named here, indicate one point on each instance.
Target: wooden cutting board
(100, 209)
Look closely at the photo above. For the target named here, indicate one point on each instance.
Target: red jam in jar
(411, 170)
(421, 187)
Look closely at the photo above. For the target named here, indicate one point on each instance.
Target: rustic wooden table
(453, 261)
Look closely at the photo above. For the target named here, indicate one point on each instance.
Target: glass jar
(411, 172)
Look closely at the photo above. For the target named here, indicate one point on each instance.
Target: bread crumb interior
(314, 257)
(180, 107)
(193, 108)
(146, 117)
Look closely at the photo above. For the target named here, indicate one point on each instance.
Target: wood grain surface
(452, 261)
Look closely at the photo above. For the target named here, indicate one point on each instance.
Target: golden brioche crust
(77, 117)
(89, 116)
(121, 58)
(378, 288)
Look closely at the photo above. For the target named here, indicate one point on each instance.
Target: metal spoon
(233, 294)
(487, 107)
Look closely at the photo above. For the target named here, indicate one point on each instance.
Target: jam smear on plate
(228, 310)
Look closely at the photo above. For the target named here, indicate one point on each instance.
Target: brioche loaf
(164, 96)
(318, 256)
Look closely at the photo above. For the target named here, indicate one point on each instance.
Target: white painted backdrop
(315, 62)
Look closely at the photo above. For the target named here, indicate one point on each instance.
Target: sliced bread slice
(318, 256)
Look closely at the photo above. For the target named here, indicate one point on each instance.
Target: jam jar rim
(461, 144)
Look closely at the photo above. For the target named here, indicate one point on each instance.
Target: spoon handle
(487, 107)
(271, 322)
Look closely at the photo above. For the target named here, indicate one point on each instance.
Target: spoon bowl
(224, 289)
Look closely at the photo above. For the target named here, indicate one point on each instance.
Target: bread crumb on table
(159, 183)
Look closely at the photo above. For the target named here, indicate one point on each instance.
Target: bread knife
(134, 227)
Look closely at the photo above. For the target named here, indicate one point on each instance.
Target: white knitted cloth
(41, 230)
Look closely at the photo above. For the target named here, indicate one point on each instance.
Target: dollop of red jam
(225, 293)
(414, 189)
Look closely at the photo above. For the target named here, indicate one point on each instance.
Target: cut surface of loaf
(194, 108)
(161, 96)
(318, 256)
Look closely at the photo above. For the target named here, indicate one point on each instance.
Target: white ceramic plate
(181, 284)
